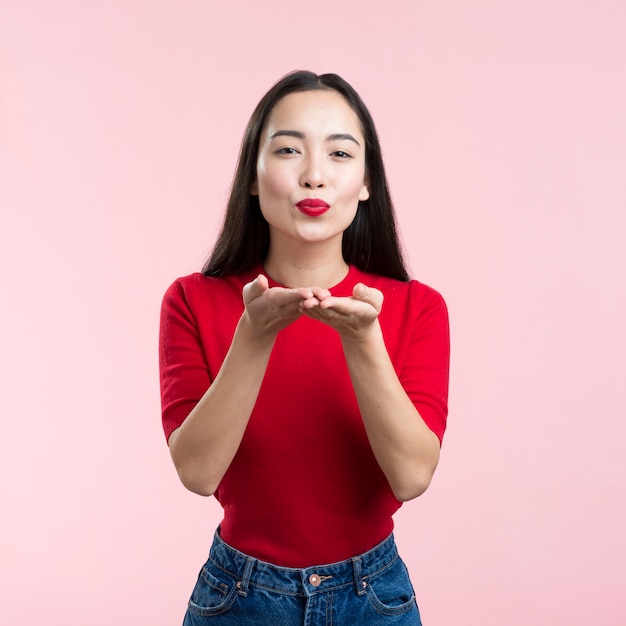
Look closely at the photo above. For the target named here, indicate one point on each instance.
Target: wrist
(252, 334)
(362, 338)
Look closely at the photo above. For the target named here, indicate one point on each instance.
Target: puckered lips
(313, 207)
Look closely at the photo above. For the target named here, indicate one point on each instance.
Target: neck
(307, 266)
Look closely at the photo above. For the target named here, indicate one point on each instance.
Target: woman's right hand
(204, 445)
(270, 309)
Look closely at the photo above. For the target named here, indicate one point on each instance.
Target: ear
(365, 192)
(254, 190)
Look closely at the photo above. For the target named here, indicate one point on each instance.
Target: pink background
(503, 127)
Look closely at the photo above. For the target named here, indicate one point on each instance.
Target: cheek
(355, 188)
(271, 181)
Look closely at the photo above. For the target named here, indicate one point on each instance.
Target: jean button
(315, 580)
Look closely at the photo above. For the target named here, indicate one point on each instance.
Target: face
(310, 168)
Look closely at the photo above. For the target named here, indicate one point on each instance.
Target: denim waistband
(307, 581)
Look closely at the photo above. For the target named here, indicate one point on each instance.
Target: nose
(313, 176)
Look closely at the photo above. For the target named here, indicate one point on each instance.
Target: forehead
(321, 111)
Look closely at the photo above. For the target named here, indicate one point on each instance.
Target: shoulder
(202, 301)
(197, 283)
(196, 288)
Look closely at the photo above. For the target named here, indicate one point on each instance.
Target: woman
(304, 377)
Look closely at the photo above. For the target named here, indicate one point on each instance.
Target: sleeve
(426, 370)
(184, 373)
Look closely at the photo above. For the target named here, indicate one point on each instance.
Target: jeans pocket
(390, 592)
(212, 595)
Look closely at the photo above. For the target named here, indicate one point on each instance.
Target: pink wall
(504, 131)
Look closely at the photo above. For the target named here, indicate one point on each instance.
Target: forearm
(203, 447)
(405, 448)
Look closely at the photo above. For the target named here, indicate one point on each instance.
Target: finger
(281, 297)
(348, 306)
(303, 292)
(319, 293)
(309, 303)
(345, 306)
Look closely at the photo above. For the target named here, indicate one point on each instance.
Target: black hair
(370, 242)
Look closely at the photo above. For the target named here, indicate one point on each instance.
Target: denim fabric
(234, 589)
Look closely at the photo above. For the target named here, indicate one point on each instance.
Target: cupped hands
(270, 309)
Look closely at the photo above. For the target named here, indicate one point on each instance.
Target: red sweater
(304, 487)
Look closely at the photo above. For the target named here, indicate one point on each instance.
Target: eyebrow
(299, 135)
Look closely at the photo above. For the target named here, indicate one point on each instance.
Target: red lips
(312, 207)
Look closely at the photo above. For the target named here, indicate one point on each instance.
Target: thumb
(254, 289)
(368, 294)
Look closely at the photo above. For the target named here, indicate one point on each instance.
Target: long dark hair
(370, 242)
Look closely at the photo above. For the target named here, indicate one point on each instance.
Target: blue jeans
(234, 589)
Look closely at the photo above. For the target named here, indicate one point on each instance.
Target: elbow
(411, 485)
(195, 476)
(196, 484)
(416, 478)
(409, 490)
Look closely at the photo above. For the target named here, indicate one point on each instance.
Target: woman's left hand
(353, 317)
(405, 448)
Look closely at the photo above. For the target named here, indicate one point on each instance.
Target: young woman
(304, 377)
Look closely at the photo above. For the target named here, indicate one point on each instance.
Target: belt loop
(245, 579)
(359, 584)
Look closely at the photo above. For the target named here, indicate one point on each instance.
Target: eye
(341, 154)
(286, 150)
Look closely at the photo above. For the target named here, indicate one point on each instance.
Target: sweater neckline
(346, 283)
